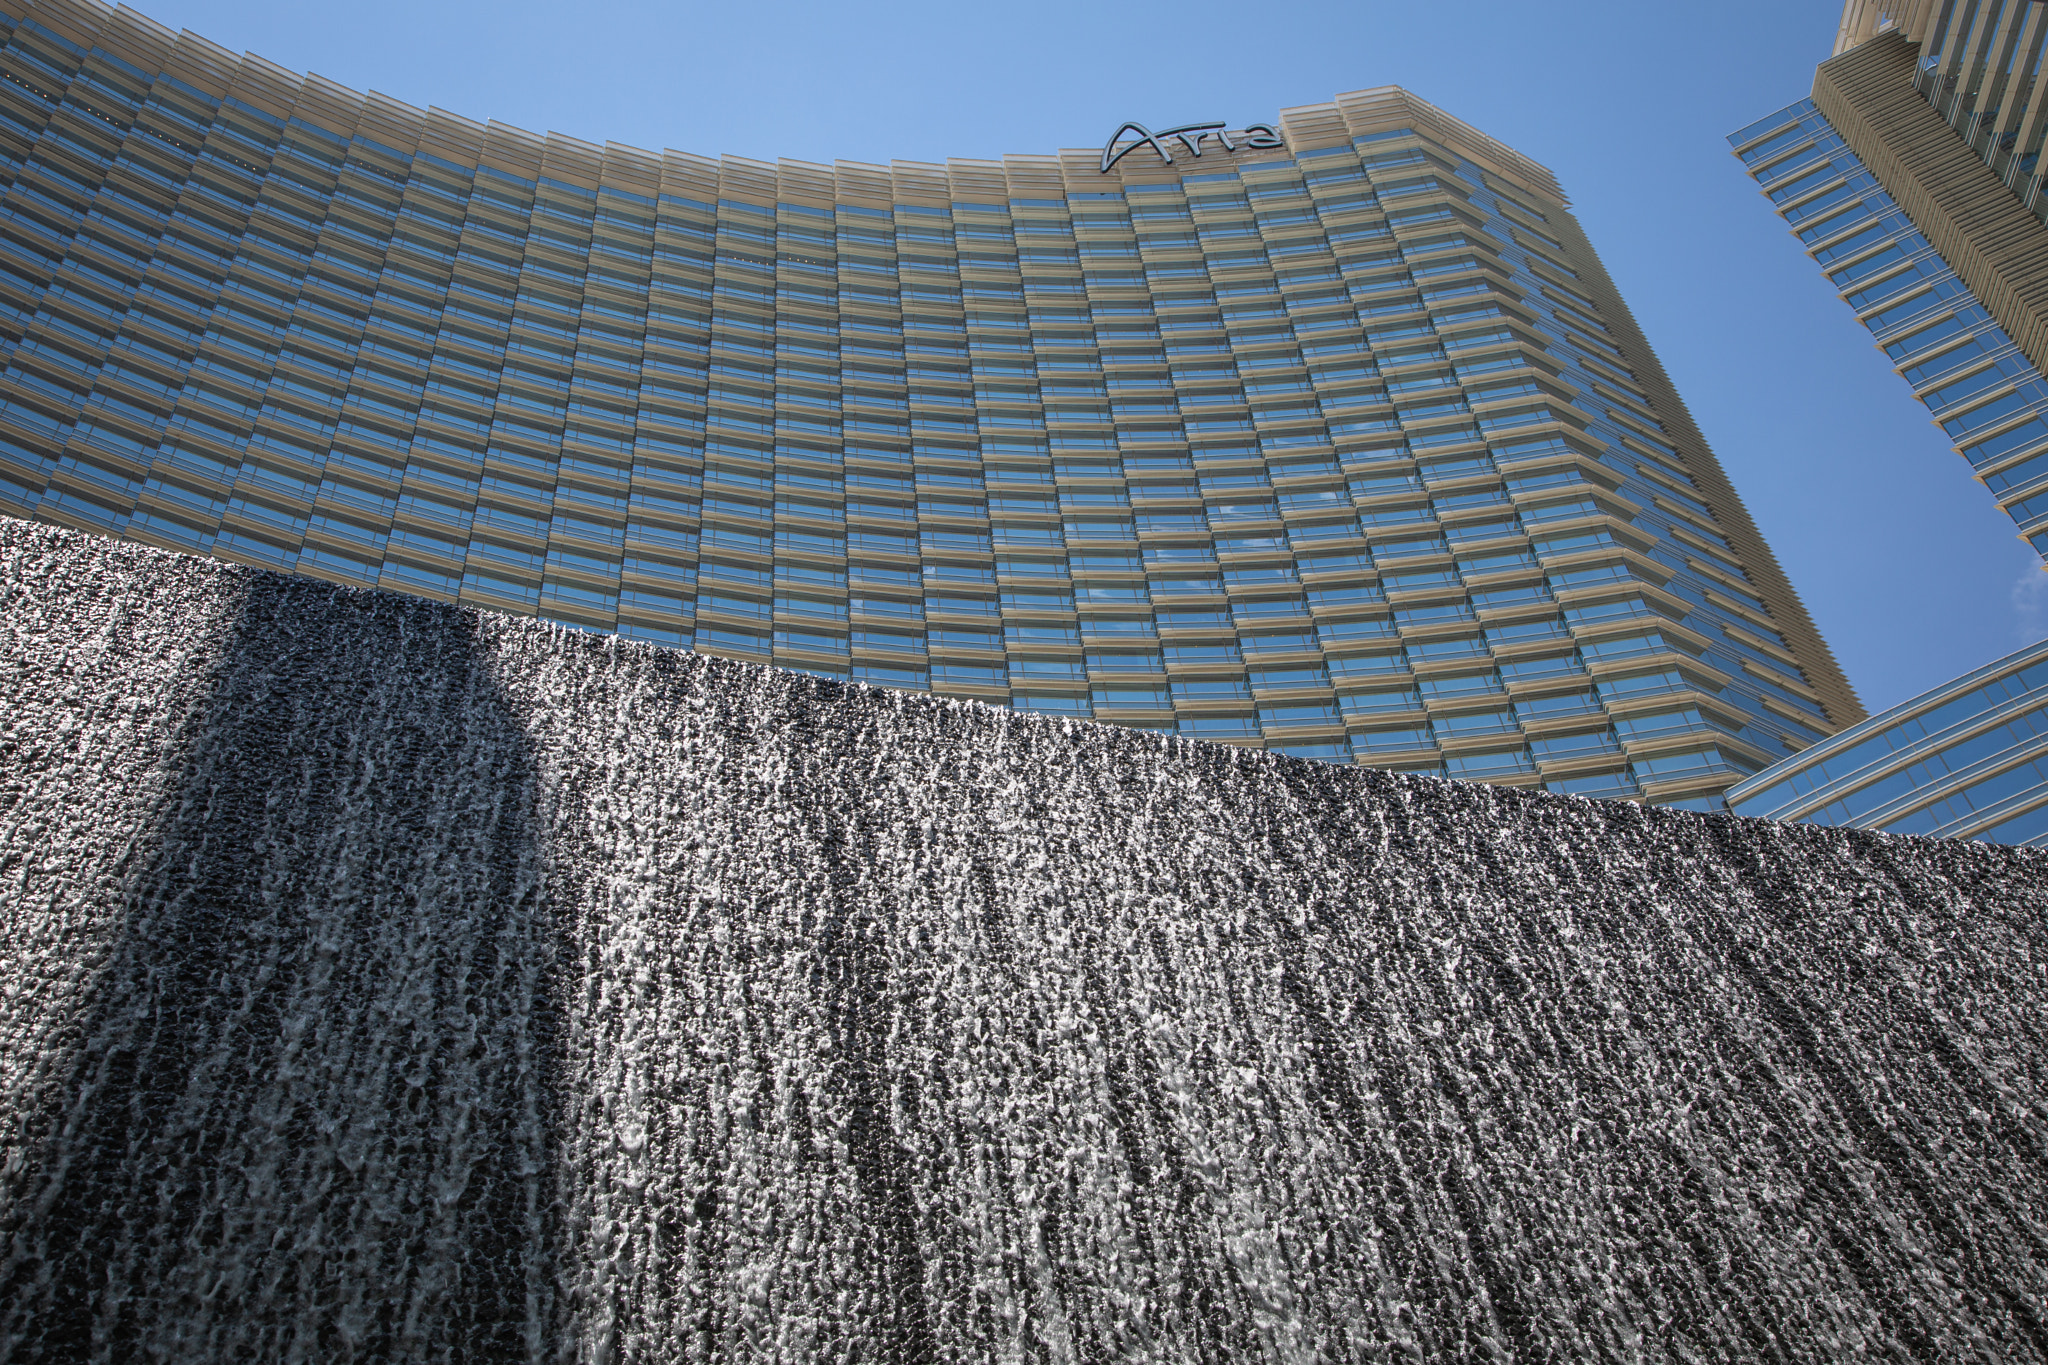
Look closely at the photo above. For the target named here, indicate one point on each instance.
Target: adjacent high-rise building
(1329, 435)
(1909, 177)
(1912, 178)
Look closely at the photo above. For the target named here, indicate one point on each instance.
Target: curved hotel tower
(1330, 435)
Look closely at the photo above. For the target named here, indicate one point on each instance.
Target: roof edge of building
(283, 94)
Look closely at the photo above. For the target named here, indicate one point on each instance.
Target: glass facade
(1967, 760)
(1347, 450)
(1987, 397)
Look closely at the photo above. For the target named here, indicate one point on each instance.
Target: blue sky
(1912, 573)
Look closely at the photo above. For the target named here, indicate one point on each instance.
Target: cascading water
(382, 981)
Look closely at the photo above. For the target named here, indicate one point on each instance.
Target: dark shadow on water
(309, 1116)
(852, 935)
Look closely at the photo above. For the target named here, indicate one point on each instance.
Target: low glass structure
(1330, 436)
(1966, 760)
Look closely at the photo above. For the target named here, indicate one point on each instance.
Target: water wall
(386, 981)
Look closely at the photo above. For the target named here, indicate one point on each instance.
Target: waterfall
(381, 980)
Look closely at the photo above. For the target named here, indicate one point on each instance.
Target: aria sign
(1191, 136)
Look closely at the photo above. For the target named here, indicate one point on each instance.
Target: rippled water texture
(382, 981)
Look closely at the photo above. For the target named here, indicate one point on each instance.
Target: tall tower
(1911, 177)
(1329, 434)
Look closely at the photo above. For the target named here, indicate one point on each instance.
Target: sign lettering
(1190, 136)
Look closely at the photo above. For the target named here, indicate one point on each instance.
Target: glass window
(1219, 727)
(1132, 698)
(1385, 741)
(1501, 763)
(1467, 723)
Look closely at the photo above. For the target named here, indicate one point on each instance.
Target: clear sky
(1912, 573)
